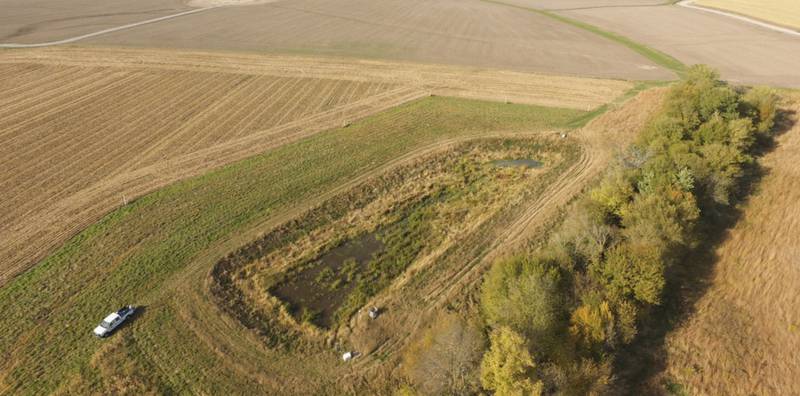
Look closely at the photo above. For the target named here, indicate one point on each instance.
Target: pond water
(516, 163)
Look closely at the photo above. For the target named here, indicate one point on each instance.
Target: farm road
(691, 4)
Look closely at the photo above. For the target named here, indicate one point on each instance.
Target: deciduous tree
(508, 368)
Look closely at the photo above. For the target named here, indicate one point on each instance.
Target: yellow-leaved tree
(592, 325)
(508, 368)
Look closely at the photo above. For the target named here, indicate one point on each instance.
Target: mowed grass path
(127, 258)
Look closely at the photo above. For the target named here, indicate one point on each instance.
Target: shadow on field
(641, 366)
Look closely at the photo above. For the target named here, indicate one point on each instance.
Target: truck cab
(112, 321)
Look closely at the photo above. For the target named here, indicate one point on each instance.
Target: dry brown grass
(744, 336)
(83, 130)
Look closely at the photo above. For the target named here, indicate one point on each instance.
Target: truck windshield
(105, 324)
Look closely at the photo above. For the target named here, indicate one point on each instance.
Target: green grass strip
(584, 119)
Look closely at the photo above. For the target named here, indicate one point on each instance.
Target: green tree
(664, 217)
(508, 368)
(633, 272)
(761, 105)
(614, 191)
(592, 326)
(525, 294)
(700, 96)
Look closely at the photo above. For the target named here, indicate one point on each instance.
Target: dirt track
(781, 12)
(765, 23)
(86, 130)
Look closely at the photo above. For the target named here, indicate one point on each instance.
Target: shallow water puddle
(320, 288)
(516, 163)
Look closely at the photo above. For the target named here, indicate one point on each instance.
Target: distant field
(576, 4)
(157, 251)
(468, 33)
(744, 336)
(782, 12)
(743, 53)
(87, 129)
(31, 21)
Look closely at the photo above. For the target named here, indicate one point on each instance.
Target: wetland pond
(318, 290)
(516, 163)
(332, 283)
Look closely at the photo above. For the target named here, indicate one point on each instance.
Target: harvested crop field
(781, 12)
(742, 52)
(159, 250)
(469, 33)
(744, 333)
(32, 21)
(87, 130)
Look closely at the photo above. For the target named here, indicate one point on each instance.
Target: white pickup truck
(113, 320)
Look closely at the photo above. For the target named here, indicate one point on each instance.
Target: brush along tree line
(557, 316)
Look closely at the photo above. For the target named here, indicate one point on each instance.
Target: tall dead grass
(744, 335)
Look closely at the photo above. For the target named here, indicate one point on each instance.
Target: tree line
(557, 317)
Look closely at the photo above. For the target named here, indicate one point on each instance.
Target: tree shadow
(641, 365)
